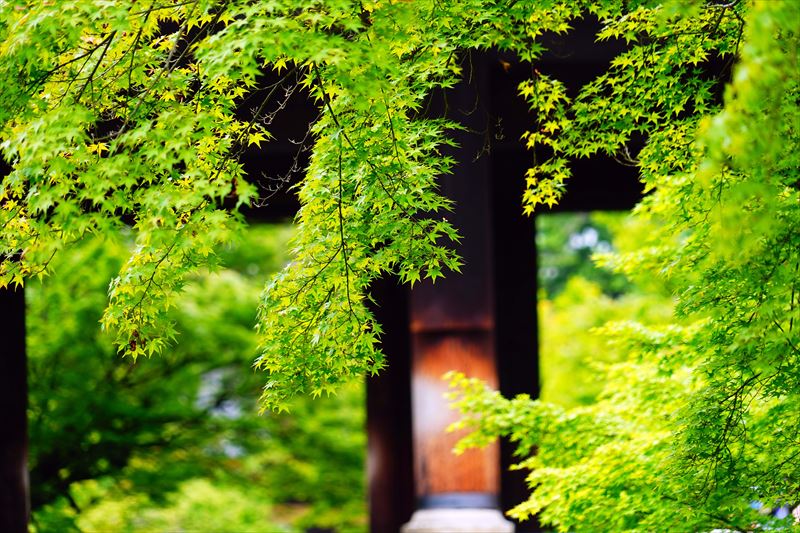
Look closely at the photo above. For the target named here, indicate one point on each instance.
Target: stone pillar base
(458, 521)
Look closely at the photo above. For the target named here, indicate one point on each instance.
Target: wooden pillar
(389, 457)
(515, 267)
(14, 501)
(453, 328)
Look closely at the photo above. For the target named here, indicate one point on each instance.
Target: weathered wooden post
(452, 327)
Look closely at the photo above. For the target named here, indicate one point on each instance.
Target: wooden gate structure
(482, 322)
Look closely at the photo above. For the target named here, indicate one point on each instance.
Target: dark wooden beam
(14, 498)
(389, 458)
(516, 329)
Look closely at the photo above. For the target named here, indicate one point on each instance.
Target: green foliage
(116, 114)
(573, 351)
(197, 505)
(177, 444)
(577, 298)
(694, 422)
(115, 111)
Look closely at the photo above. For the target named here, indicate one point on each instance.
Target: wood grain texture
(436, 468)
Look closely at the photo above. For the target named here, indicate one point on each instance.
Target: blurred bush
(174, 443)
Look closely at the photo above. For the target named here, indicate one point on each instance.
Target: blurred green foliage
(176, 443)
(573, 354)
(566, 242)
(578, 297)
